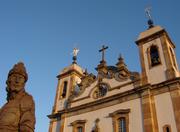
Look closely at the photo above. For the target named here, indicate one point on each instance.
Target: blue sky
(43, 33)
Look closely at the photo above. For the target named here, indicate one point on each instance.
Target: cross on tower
(150, 21)
(148, 12)
(103, 51)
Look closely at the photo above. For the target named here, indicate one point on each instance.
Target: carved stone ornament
(87, 80)
(100, 90)
(96, 126)
(18, 114)
(114, 72)
(119, 74)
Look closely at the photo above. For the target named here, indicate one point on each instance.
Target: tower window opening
(154, 54)
(167, 128)
(64, 89)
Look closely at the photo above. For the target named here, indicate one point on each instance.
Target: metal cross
(103, 50)
(148, 12)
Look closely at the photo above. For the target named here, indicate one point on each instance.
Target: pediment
(115, 81)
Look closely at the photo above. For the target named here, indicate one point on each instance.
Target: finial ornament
(120, 56)
(103, 52)
(75, 52)
(148, 13)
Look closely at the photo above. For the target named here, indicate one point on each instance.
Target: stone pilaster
(62, 122)
(175, 97)
(149, 112)
(144, 79)
(50, 126)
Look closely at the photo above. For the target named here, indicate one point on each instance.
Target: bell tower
(157, 55)
(68, 78)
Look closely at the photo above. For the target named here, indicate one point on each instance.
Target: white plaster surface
(155, 74)
(135, 117)
(60, 102)
(164, 111)
(89, 92)
(114, 83)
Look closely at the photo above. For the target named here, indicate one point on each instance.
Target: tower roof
(72, 68)
(149, 32)
(156, 30)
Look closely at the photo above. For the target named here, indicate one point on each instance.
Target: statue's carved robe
(18, 114)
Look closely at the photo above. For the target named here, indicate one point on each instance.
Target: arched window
(64, 89)
(122, 124)
(154, 55)
(120, 120)
(166, 128)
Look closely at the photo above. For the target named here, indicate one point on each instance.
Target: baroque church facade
(119, 100)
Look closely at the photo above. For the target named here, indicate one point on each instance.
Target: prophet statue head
(17, 78)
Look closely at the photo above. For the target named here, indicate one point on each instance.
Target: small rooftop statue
(75, 52)
(18, 114)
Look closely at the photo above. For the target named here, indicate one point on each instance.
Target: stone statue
(18, 114)
(96, 127)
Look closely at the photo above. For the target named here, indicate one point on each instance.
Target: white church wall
(113, 83)
(155, 74)
(120, 90)
(164, 111)
(87, 95)
(61, 102)
(105, 124)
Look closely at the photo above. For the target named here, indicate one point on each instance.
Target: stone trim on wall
(144, 79)
(155, 36)
(170, 73)
(56, 98)
(149, 112)
(69, 73)
(175, 97)
(78, 123)
(122, 113)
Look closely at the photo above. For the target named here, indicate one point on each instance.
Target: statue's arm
(27, 120)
